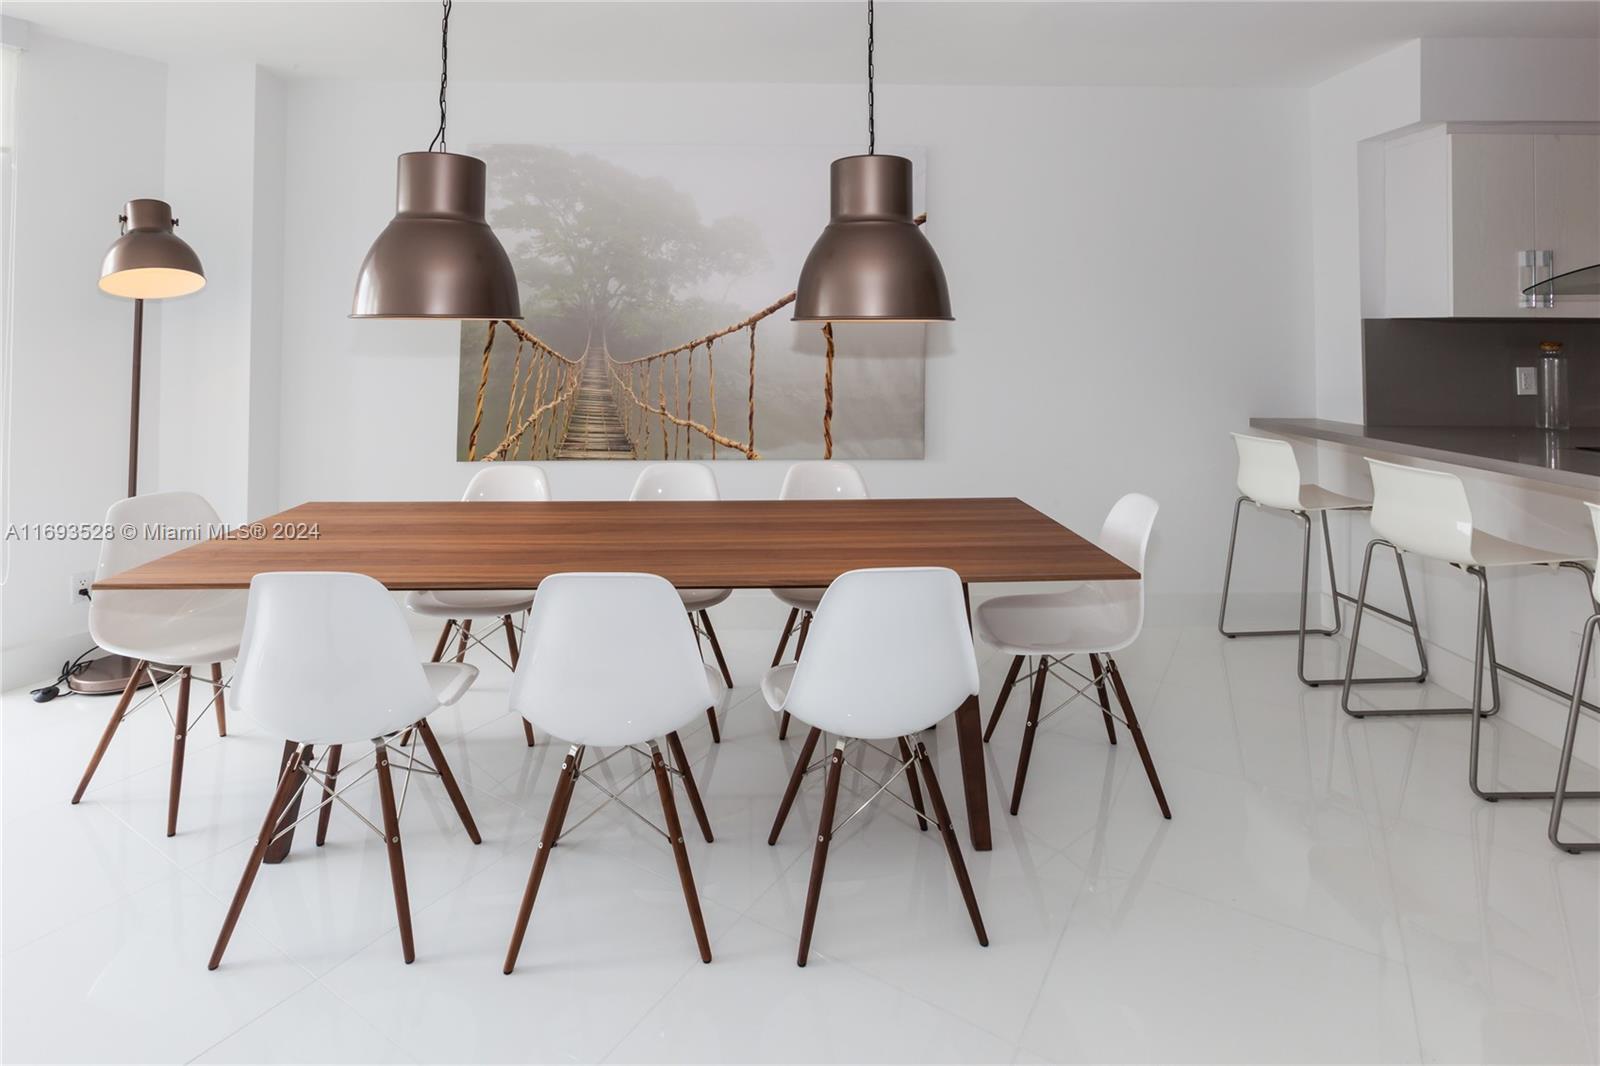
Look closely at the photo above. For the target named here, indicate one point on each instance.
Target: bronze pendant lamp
(872, 262)
(438, 258)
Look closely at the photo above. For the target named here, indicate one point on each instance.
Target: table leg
(974, 778)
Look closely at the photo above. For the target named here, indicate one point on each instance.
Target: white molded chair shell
(496, 482)
(608, 661)
(175, 627)
(1594, 514)
(508, 481)
(1269, 474)
(889, 654)
(675, 481)
(328, 658)
(823, 479)
(1427, 512)
(1091, 616)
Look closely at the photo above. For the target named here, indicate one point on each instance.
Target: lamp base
(108, 676)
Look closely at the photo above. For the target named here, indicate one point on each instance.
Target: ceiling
(1080, 42)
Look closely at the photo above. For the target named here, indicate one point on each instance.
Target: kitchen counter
(1550, 458)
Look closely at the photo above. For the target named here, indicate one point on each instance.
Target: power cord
(70, 668)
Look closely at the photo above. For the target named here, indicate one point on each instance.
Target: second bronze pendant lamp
(872, 262)
(438, 258)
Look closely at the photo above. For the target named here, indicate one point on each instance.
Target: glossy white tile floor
(1327, 891)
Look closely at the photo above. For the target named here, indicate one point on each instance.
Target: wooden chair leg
(1005, 693)
(466, 633)
(180, 735)
(716, 727)
(290, 778)
(1096, 665)
(283, 836)
(330, 785)
(219, 699)
(452, 789)
(444, 638)
(511, 646)
(783, 641)
(1035, 699)
(117, 714)
(819, 858)
(574, 772)
(795, 779)
(681, 760)
(800, 646)
(397, 859)
(1138, 736)
(952, 846)
(911, 783)
(669, 810)
(716, 648)
(541, 854)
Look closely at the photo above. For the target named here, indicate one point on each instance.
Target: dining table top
(725, 544)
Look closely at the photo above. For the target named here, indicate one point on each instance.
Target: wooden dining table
(721, 544)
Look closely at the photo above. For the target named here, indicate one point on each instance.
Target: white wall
(90, 136)
(1130, 271)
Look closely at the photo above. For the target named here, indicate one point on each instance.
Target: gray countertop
(1550, 458)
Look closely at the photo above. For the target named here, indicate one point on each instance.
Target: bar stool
(1564, 768)
(1269, 478)
(690, 481)
(1426, 512)
(569, 684)
(166, 632)
(327, 659)
(515, 482)
(822, 479)
(914, 618)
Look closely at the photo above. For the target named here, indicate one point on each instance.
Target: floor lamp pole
(133, 410)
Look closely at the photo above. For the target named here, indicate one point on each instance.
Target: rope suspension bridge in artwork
(597, 407)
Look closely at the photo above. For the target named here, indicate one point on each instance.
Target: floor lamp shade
(872, 263)
(438, 258)
(149, 261)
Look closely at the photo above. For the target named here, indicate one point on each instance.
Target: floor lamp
(147, 262)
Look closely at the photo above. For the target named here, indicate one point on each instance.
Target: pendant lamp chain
(872, 133)
(444, 75)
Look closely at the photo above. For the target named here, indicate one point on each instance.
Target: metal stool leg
(1559, 800)
(1305, 571)
(1362, 607)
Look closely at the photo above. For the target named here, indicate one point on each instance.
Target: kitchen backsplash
(1462, 372)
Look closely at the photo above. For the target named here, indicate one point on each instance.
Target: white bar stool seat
(327, 660)
(1093, 618)
(164, 631)
(1269, 478)
(678, 482)
(570, 686)
(1426, 512)
(916, 619)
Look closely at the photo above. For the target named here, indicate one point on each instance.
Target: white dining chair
(1574, 710)
(1269, 478)
(168, 633)
(821, 479)
(327, 660)
(915, 621)
(460, 608)
(1095, 619)
(568, 684)
(1426, 513)
(694, 482)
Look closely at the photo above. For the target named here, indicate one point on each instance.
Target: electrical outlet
(1527, 381)
(80, 583)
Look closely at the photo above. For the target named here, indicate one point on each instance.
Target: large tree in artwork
(606, 251)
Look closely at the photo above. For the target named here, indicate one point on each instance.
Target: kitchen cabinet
(1459, 207)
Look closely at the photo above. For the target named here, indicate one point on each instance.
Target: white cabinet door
(1491, 219)
(1416, 222)
(1566, 216)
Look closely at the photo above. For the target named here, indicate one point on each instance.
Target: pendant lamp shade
(872, 263)
(438, 258)
(149, 261)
